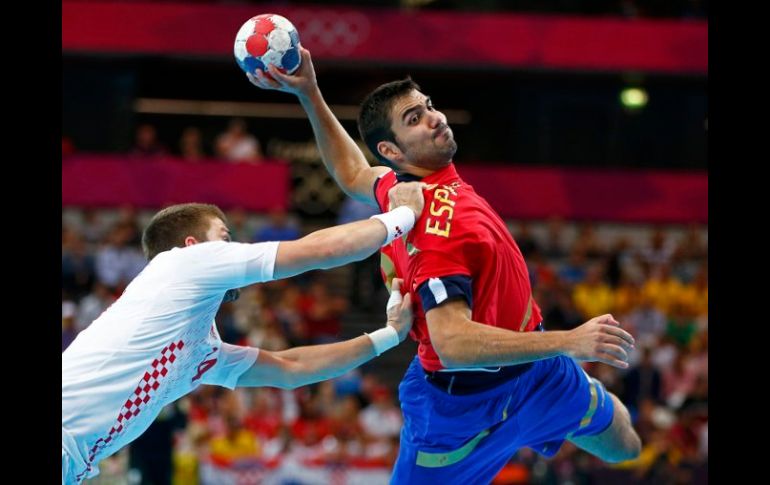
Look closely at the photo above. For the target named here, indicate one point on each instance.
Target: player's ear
(189, 241)
(389, 150)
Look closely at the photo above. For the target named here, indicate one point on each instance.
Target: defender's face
(422, 133)
(218, 231)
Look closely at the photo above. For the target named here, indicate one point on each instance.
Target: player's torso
(147, 350)
(460, 225)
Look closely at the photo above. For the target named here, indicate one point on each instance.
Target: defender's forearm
(350, 242)
(320, 362)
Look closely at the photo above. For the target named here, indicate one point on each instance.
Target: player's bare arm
(461, 342)
(342, 157)
(300, 366)
(339, 245)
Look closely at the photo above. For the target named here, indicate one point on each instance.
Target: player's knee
(628, 449)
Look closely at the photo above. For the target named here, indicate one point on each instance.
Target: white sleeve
(232, 362)
(223, 265)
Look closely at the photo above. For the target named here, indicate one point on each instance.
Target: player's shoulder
(384, 181)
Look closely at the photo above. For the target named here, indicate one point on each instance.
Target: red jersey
(459, 247)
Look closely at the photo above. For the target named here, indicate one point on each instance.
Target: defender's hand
(408, 194)
(399, 310)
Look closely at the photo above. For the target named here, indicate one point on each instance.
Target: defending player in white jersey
(158, 341)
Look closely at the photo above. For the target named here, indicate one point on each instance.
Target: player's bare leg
(617, 443)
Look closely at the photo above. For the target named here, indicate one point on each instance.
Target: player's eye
(414, 119)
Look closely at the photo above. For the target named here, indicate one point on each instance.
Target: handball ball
(267, 39)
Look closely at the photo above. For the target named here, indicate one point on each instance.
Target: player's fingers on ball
(275, 73)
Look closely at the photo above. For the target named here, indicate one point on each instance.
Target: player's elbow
(449, 350)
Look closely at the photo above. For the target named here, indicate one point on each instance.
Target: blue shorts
(469, 438)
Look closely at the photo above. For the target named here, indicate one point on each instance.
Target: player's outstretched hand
(600, 339)
(301, 83)
(399, 310)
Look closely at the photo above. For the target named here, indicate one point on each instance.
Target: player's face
(218, 231)
(422, 134)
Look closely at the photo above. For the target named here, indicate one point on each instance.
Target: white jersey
(155, 344)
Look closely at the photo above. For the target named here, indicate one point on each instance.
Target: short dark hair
(169, 227)
(374, 118)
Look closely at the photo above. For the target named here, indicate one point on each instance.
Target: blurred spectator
(659, 251)
(593, 296)
(78, 265)
(366, 281)
(278, 228)
(191, 145)
(619, 259)
(641, 383)
(525, 240)
(236, 144)
(559, 311)
(627, 296)
(93, 228)
(147, 144)
(247, 309)
(239, 226)
(150, 455)
(555, 247)
(93, 305)
(381, 422)
(289, 316)
(678, 381)
(588, 242)
(227, 325)
(695, 295)
(662, 288)
(235, 444)
(646, 323)
(348, 435)
(681, 326)
(264, 417)
(128, 219)
(117, 262)
(541, 272)
(322, 313)
(68, 330)
(664, 353)
(574, 270)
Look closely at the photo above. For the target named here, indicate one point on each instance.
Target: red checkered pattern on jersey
(148, 384)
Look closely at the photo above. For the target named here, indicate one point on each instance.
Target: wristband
(384, 339)
(397, 222)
